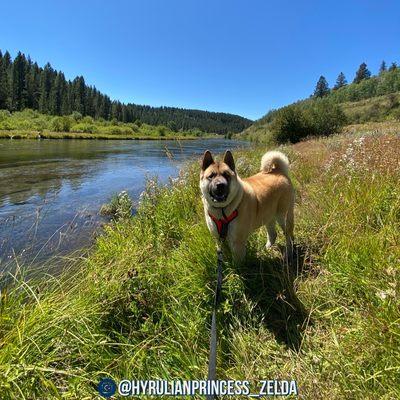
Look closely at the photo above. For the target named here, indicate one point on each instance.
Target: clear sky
(238, 56)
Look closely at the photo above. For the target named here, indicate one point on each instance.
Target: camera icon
(107, 387)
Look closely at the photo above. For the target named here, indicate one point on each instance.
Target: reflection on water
(51, 190)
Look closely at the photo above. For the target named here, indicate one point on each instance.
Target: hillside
(374, 99)
(23, 84)
(139, 306)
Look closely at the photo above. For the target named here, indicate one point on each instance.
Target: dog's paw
(269, 245)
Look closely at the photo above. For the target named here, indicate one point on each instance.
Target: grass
(378, 109)
(30, 124)
(139, 306)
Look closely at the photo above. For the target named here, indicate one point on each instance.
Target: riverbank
(139, 306)
(30, 124)
(92, 136)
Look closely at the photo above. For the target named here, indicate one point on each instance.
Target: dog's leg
(238, 249)
(271, 234)
(286, 222)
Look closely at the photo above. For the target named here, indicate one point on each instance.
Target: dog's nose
(220, 187)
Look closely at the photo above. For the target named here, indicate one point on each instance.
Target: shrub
(295, 122)
(161, 130)
(396, 114)
(87, 120)
(116, 130)
(5, 125)
(324, 118)
(4, 114)
(134, 127)
(84, 128)
(77, 116)
(290, 125)
(61, 124)
(119, 208)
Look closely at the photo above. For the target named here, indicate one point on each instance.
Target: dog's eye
(211, 176)
(226, 175)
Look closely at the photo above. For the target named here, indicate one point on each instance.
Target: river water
(51, 190)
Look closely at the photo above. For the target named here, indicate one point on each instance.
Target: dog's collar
(223, 223)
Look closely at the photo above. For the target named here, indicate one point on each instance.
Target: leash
(212, 362)
(222, 227)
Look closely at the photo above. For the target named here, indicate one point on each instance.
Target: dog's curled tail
(275, 161)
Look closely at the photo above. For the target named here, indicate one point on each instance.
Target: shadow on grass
(269, 283)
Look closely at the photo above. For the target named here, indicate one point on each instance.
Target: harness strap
(222, 223)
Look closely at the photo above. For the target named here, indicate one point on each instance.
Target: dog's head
(218, 180)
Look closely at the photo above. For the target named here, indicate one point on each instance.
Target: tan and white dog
(246, 204)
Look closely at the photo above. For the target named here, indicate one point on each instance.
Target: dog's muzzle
(219, 192)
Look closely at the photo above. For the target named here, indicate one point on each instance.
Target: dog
(235, 207)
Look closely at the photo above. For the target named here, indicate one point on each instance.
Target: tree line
(24, 84)
(322, 88)
(323, 112)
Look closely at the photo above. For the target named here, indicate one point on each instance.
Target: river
(51, 190)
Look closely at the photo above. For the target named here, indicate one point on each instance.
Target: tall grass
(139, 306)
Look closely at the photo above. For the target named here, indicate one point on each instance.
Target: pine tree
(362, 73)
(7, 64)
(55, 95)
(19, 92)
(382, 68)
(393, 66)
(45, 87)
(4, 84)
(78, 92)
(340, 81)
(65, 101)
(322, 87)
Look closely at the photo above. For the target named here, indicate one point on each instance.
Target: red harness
(222, 223)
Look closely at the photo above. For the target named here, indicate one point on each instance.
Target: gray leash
(212, 362)
(222, 227)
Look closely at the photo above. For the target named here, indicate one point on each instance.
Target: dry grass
(386, 127)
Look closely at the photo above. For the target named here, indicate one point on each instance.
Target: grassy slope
(377, 108)
(380, 109)
(139, 307)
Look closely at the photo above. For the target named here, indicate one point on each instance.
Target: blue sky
(243, 57)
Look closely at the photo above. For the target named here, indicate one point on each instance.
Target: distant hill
(23, 84)
(371, 99)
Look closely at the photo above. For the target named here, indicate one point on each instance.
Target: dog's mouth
(218, 198)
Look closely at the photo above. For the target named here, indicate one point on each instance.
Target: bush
(87, 120)
(396, 114)
(290, 125)
(116, 130)
(325, 118)
(119, 208)
(5, 125)
(295, 122)
(61, 124)
(77, 116)
(84, 128)
(161, 130)
(4, 114)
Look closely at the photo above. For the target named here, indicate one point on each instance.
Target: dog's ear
(207, 160)
(228, 160)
